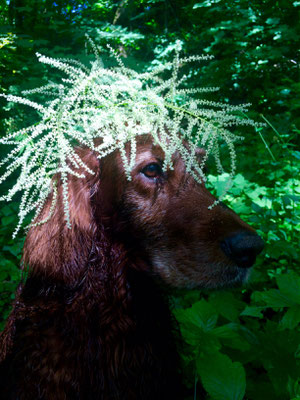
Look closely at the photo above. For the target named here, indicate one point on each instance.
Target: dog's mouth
(199, 274)
(238, 275)
(225, 276)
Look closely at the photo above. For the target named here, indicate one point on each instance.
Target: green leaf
(221, 378)
(197, 5)
(6, 210)
(273, 21)
(229, 335)
(291, 318)
(240, 181)
(272, 298)
(219, 182)
(252, 311)
(197, 322)
(257, 192)
(289, 285)
(203, 315)
(226, 304)
(255, 207)
(3, 275)
(15, 249)
(241, 208)
(206, 3)
(293, 387)
(8, 220)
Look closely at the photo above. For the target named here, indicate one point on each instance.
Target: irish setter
(91, 321)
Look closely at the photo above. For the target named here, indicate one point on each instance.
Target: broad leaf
(272, 298)
(222, 378)
(291, 318)
(289, 285)
(251, 311)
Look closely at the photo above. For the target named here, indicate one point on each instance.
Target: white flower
(117, 105)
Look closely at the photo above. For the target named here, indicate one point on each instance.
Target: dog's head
(163, 216)
(166, 215)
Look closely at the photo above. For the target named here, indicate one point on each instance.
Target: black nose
(242, 248)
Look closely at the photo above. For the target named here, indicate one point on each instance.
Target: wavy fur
(91, 321)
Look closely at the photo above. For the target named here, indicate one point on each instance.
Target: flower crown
(117, 105)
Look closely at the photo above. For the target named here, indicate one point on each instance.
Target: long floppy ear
(54, 249)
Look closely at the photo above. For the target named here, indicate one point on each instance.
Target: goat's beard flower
(117, 105)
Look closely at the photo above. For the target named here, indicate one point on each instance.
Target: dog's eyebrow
(144, 156)
(149, 155)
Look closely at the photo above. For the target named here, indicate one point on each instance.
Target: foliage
(238, 343)
(10, 274)
(255, 328)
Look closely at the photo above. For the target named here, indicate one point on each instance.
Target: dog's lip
(237, 273)
(234, 276)
(241, 273)
(243, 265)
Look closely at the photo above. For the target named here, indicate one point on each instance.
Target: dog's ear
(54, 248)
(109, 194)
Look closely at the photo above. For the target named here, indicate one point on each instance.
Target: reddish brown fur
(90, 321)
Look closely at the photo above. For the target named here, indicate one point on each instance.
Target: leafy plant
(227, 340)
(256, 60)
(10, 274)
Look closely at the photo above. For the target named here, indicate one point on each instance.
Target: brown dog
(90, 321)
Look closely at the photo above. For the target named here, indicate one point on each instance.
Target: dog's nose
(242, 248)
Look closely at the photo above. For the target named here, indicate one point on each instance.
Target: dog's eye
(152, 170)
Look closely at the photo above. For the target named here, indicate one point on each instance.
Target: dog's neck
(113, 288)
(115, 315)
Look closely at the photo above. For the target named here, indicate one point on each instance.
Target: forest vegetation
(242, 343)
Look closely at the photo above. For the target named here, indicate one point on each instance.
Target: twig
(119, 11)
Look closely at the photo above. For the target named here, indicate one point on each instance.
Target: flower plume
(116, 104)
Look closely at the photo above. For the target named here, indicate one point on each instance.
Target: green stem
(275, 130)
(175, 108)
(263, 139)
(266, 144)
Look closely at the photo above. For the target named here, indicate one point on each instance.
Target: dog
(91, 320)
